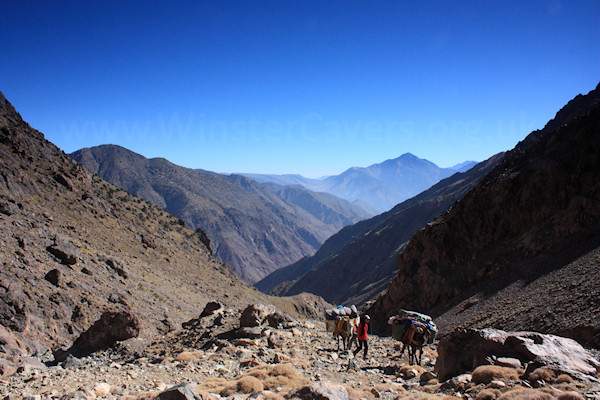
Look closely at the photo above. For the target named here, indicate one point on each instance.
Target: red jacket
(363, 328)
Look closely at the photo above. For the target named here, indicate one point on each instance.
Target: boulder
(253, 315)
(7, 368)
(65, 252)
(113, 326)
(55, 277)
(184, 391)
(466, 349)
(254, 332)
(321, 391)
(278, 319)
(210, 308)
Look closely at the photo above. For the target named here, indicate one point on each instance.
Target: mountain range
(378, 187)
(255, 228)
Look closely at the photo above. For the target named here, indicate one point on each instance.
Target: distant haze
(378, 187)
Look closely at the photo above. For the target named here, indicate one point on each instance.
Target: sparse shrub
(488, 394)
(425, 396)
(488, 373)
(278, 375)
(249, 384)
(526, 394)
(564, 378)
(570, 396)
(545, 374)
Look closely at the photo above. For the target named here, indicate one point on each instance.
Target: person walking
(363, 335)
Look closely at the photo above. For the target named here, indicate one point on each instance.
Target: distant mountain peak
(379, 186)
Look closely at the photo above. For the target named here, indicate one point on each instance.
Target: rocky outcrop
(66, 252)
(14, 312)
(113, 326)
(466, 349)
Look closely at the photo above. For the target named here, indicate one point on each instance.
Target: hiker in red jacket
(363, 329)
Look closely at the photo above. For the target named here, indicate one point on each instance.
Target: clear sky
(308, 87)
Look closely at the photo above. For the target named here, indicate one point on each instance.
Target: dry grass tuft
(214, 385)
(425, 396)
(358, 394)
(259, 372)
(186, 356)
(488, 394)
(545, 374)
(570, 396)
(246, 384)
(488, 373)
(564, 378)
(526, 394)
(284, 376)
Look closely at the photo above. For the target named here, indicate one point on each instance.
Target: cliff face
(537, 211)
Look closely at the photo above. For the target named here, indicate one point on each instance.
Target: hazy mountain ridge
(251, 227)
(528, 220)
(380, 186)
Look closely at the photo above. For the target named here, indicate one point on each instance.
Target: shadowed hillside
(532, 216)
(357, 263)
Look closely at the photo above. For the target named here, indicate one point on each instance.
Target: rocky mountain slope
(74, 246)
(357, 263)
(379, 186)
(532, 216)
(252, 227)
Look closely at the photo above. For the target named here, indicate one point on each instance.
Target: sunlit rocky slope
(74, 246)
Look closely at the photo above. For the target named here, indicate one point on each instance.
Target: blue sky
(309, 87)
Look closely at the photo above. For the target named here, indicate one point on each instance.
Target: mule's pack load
(402, 322)
(334, 315)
